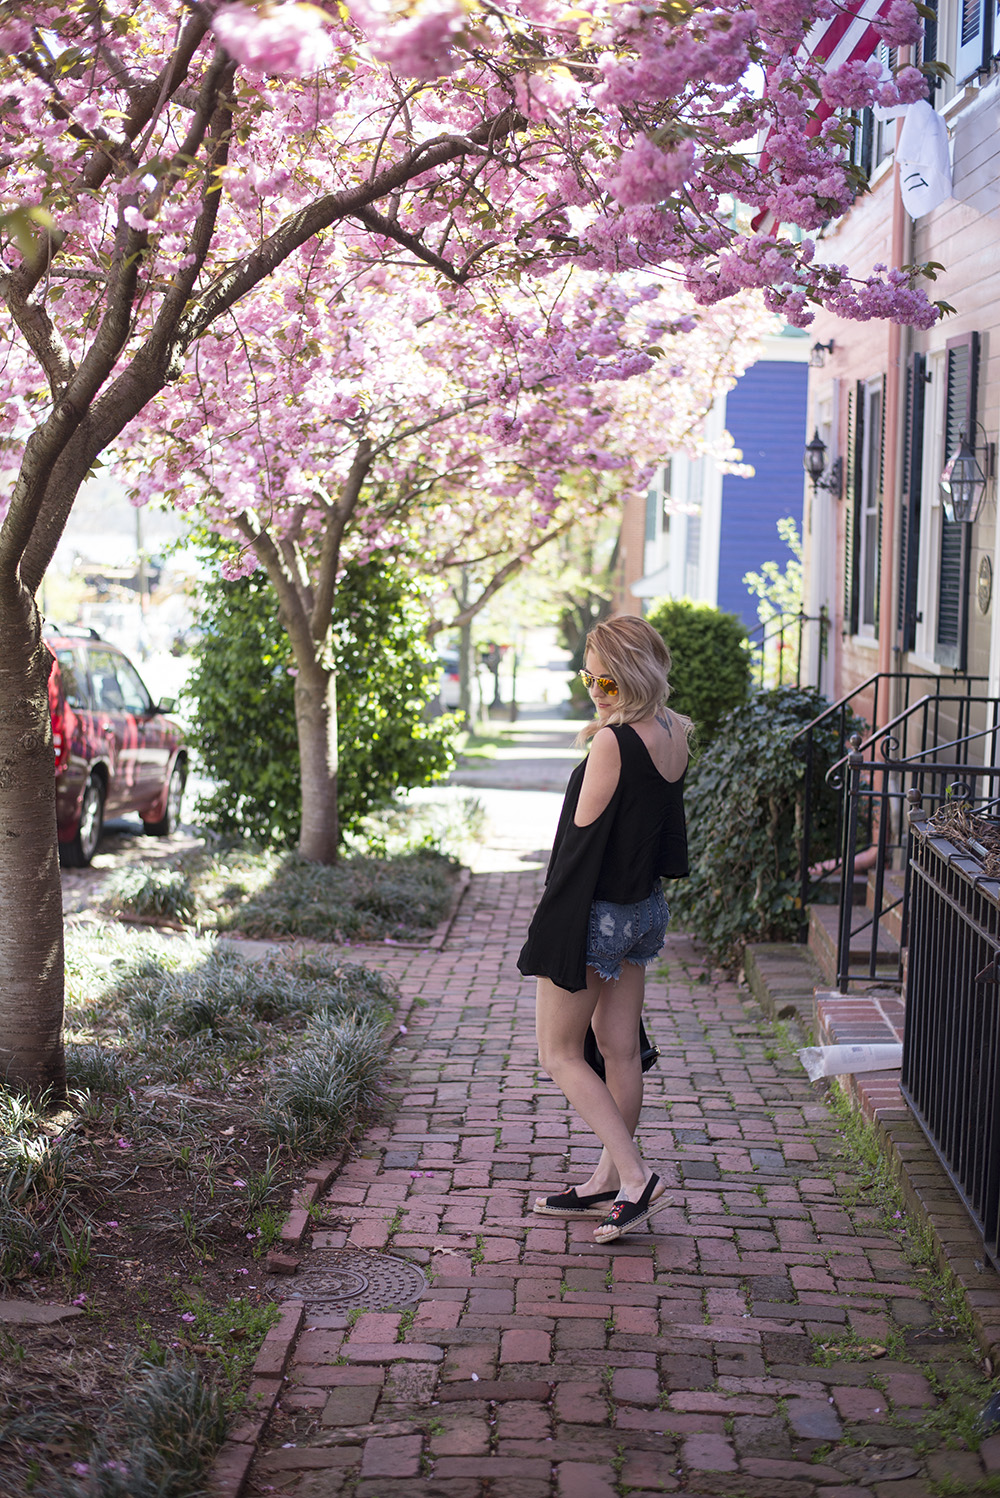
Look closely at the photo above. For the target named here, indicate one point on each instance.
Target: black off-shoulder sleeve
(556, 947)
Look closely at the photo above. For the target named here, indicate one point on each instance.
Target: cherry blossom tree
(453, 436)
(179, 171)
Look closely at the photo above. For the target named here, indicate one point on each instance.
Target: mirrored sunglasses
(607, 686)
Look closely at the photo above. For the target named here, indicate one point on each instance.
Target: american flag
(848, 36)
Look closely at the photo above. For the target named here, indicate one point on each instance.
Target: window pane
(74, 683)
(134, 694)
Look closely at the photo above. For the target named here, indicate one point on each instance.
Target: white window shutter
(970, 23)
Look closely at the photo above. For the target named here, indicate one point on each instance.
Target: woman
(602, 917)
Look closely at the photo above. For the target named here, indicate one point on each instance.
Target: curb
(782, 979)
(229, 1471)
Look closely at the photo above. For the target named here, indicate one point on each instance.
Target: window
(134, 694)
(74, 681)
(961, 403)
(863, 530)
(962, 34)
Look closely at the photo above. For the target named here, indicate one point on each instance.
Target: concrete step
(824, 921)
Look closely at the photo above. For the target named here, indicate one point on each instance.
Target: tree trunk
(465, 672)
(31, 925)
(316, 722)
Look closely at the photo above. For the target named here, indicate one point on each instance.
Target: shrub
(242, 693)
(744, 800)
(710, 675)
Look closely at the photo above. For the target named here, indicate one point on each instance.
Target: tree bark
(31, 926)
(316, 723)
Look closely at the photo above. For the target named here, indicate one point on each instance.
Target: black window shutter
(961, 404)
(853, 460)
(909, 513)
(881, 486)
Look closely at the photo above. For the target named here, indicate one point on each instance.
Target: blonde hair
(635, 656)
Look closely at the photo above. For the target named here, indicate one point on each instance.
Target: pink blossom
(648, 174)
(901, 25)
(286, 40)
(136, 220)
(239, 566)
(188, 1316)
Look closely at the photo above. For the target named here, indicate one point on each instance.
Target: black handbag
(649, 1052)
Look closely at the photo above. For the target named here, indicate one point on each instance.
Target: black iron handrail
(880, 783)
(775, 628)
(870, 692)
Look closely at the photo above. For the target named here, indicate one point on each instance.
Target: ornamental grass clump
(34, 1166)
(360, 899)
(151, 894)
(174, 1422)
(315, 1102)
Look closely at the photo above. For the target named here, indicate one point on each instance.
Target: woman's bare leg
(616, 1027)
(561, 1025)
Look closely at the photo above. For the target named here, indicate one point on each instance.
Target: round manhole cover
(346, 1278)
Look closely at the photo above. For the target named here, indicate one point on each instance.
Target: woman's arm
(600, 778)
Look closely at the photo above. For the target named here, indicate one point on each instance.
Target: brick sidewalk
(690, 1359)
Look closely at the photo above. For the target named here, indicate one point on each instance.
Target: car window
(104, 680)
(134, 694)
(73, 679)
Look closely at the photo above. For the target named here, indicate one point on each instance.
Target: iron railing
(917, 726)
(951, 1046)
(874, 792)
(777, 643)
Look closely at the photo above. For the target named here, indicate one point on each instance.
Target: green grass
(232, 1333)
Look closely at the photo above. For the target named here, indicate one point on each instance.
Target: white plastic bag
(838, 1060)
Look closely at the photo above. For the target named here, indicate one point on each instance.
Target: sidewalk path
(698, 1358)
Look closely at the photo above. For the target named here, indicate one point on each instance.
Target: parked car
(448, 691)
(116, 750)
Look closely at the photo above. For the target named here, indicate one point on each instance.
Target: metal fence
(929, 706)
(778, 645)
(951, 1049)
(875, 792)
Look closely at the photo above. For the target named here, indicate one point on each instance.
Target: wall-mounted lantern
(818, 353)
(815, 466)
(963, 480)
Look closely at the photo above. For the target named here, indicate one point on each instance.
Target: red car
(116, 752)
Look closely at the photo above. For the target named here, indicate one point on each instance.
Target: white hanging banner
(924, 161)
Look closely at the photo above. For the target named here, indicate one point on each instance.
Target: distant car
(116, 751)
(449, 691)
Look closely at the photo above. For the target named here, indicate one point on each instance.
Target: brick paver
(700, 1357)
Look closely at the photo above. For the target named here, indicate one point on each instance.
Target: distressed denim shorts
(617, 934)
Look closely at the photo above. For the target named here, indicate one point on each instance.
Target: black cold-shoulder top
(639, 837)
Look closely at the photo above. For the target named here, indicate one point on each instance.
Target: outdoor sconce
(815, 465)
(818, 353)
(963, 481)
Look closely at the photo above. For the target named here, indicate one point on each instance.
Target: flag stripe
(848, 36)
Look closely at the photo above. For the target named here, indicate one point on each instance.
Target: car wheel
(171, 818)
(77, 853)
